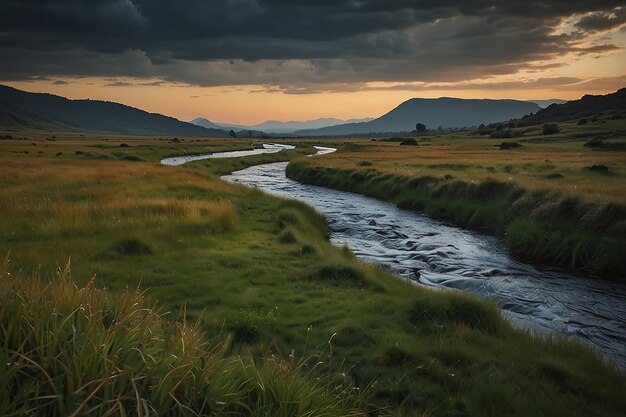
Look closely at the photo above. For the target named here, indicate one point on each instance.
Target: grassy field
(258, 272)
(558, 198)
(73, 351)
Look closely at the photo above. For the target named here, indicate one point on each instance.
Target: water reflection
(267, 148)
(435, 254)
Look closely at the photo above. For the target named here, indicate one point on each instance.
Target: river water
(435, 254)
(267, 148)
(438, 255)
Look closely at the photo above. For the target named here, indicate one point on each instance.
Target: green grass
(553, 200)
(259, 272)
(70, 351)
(539, 226)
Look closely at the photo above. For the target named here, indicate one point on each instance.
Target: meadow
(285, 323)
(557, 199)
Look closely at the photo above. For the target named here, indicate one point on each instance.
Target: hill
(24, 110)
(279, 127)
(445, 112)
(275, 126)
(586, 106)
(207, 124)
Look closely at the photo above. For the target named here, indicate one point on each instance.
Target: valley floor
(262, 278)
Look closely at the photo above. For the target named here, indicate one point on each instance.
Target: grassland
(557, 198)
(273, 299)
(70, 351)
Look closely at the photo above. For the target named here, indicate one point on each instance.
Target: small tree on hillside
(420, 127)
(550, 129)
(232, 134)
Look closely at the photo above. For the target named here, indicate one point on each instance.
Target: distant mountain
(275, 126)
(24, 110)
(229, 126)
(545, 103)
(278, 127)
(207, 124)
(445, 112)
(586, 106)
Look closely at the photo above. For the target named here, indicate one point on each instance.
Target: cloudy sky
(246, 61)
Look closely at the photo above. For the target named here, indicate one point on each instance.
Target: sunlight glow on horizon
(245, 105)
(251, 104)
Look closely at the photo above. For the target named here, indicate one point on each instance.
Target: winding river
(267, 148)
(435, 254)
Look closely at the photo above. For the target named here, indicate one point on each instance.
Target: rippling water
(267, 148)
(435, 254)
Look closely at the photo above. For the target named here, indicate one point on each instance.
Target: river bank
(434, 254)
(541, 226)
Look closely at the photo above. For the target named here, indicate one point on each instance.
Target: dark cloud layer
(294, 44)
(602, 21)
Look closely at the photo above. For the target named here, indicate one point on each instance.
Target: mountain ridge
(588, 105)
(22, 109)
(206, 123)
(280, 127)
(446, 112)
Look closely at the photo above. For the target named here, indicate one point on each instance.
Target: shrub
(550, 129)
(598, 168)
(509, 145)
(500, 134)
(409, 142)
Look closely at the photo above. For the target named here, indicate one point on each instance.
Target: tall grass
(541, 226)
(63, 212)
(69, 351)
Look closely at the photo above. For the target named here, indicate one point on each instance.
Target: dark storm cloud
(602, 21)
(291, 43)
(540, 83)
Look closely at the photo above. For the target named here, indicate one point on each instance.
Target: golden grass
(128, 209)
(474, 160)
(106, 191)
(24, 168)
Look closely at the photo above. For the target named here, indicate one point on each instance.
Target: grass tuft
(459, 309)
(69, 351)
(132, 246)
(340, 275)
